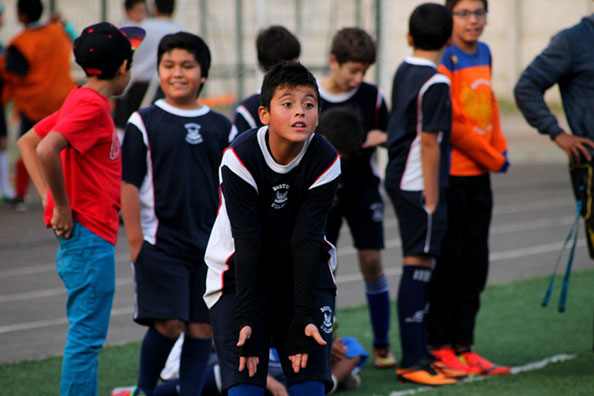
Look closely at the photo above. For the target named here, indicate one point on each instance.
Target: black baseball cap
(101, 48)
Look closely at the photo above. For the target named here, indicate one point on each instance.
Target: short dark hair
(344, 130)
(286, 75)
(353, 44)
(189, 42)
(32, 9)
(165, 6)
(276, 44)
(450, 4)
(430, 26)
(128, 4)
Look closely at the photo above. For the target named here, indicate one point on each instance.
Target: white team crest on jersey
(281, 196)
(327, 323)
(193, 136)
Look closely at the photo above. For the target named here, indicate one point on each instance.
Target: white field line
(340, 279)
(342, 252)
(503, 209)
(514, 370)
(43, 268)
(57, 291)
(55, 322)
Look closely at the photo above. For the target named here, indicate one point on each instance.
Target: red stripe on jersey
(327, 169)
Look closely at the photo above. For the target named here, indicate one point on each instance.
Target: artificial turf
(512, 329)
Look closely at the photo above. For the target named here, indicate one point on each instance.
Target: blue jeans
(86, 264)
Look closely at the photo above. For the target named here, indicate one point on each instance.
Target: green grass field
(513, 329)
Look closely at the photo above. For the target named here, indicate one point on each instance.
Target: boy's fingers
(304, 360)
(312, 331)
(296, 362)
(252, 366)
(241, 363)
(244, 334)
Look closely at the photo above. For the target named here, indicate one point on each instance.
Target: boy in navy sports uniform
(171, 152)
(273, 45)
(269, 266)
(359, 199)
(416, 174)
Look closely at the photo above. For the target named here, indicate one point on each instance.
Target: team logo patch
(377, 210)
(281, 196)
(418, 316)
(193, 136)
(327, 323)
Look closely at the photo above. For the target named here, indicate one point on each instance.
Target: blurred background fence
(517, 30)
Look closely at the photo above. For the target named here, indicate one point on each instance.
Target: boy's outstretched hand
(251, 362)
(299, 360)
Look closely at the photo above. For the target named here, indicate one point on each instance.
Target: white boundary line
(514, 370)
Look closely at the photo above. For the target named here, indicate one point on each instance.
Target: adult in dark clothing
(567, 61)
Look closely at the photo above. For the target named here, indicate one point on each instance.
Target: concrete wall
(517, 30)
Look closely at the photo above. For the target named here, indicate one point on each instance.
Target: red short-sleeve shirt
(91, 163)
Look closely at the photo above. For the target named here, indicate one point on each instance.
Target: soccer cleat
(423, 375)
(485, 367)
(448, 372)
(383, 357)
(449, 359)
(126, 391)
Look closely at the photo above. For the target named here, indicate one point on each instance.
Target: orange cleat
(486, 367)
(449, 359)
(448, 372)
(424, 375)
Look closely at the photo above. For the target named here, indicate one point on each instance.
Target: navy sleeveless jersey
(420, 103)
(172, 155)
(262, 197)
(367, 101)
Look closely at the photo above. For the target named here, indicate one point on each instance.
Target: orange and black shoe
(423, 375)
(448, 371)
(448, 357)
(485, 367)
(383, 357)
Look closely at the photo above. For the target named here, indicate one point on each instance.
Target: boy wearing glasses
(478, 148)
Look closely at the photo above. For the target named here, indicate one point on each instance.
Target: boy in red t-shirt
(73, 157)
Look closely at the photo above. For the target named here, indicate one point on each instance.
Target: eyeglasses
(465, 14)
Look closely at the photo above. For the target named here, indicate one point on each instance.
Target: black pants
(462, 266)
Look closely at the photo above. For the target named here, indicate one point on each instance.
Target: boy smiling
(170, 157)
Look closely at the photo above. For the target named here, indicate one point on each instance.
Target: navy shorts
(421, 232)
(364, 212)
(169, 287)
(272, 327)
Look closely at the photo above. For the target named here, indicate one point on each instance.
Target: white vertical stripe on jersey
(218, 251)
(412, 177)
(148, 216)
(242, 111)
